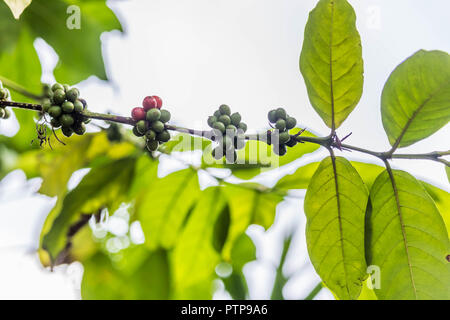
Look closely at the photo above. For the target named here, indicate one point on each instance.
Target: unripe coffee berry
(225, 119)
(66, 120)
(235, 119)
(3, 93)
(243, 126)
(219, 126)
(59, 96)
(55, 111)
(281, 150)
(67, 131)
(290, 122)
(280, 125)
(67, 107)
(281, 113)
(137, 133)
(272, 116)
(230, 129)
(165, 116)
(57, 86)
(224, 110)
(72, 94)
(2, 112)
(152, 145)
(211, 121)
(218, 153)
(46, 104)
(158, 126)
(153, 114)
(284, 137)
(217, 114)
(55, 123)
(78, 106)
(150, 135)
(138, 114)
(66, 87)
(163, 136)
(141, 126)
(79, 129)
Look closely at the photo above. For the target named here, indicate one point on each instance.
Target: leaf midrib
(397, 201)
(333, 126)
(415, 113)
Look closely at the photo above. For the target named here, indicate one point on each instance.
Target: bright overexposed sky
(199, 54)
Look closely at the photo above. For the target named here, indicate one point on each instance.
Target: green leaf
(248, 206)
(194, 257)
(407, 239)
(101, 187)
(415, 98)
(144, 279)
(335, 205)
(221, 227)
(17, 6)
(331, 61)
(164, 206)
(186, 142)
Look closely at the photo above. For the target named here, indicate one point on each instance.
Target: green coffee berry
(137, 133)
(158, 126)
(224, 119)
(165, 116)
(150, 135)
(141, 126)
(281, 150)
(280, 125)
(243, 126)
(284, 137)
(66, 120)
(163, 136)
(224, 110)
(231, 157)
(67, 107)
(55, 111)
(235, 119)
(59, 96)
(152, 145)
(153, 114)
(7, 114)
(2, 112)
(78, 106)
(290, 122)
(281, 113)
(217, 114)
(219, 126)
(66, 87)
(218, 153)
(57, 86)
(211, 121)
(46, 104)
(67, 131)
(72, 94)
(272, 116)
(230, 129)
(79, 128)
(55, 123)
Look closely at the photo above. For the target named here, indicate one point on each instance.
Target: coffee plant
(361, 217)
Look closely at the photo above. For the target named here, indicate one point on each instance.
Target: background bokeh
(197, 55)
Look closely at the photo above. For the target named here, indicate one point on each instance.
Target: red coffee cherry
(159, 101)
(149, 102)
(138, 114)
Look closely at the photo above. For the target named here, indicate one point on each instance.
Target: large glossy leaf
(248, 206)
(331, 61)
(145, 278)
(415, 98)
(164, 205)
(102, 187)
(407, 240)
(335, 205)
(194, 257)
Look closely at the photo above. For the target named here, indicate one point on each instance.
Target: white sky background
(199, 54)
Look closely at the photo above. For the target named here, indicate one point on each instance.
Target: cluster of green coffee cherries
(228, 131)
(150, 122)
(280, 137)
(65, 108)
(4, 95)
